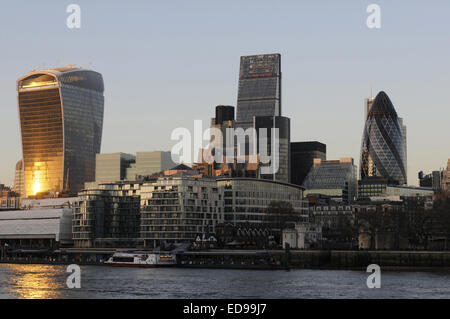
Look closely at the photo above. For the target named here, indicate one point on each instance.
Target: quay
(252, 259)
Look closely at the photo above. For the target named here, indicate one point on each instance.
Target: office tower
(446, 179)
(334, 178)
(148, 163)
(259, 87)
(433, 180)
(383, 149)
(112, 167)
(279, 162)
(302, 159)
(61, 121)
(224, 113)
(224, 119)
(18, 179)
(405, 143)
(127, 167)
(368, 104)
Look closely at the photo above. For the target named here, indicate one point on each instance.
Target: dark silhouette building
(302, 159)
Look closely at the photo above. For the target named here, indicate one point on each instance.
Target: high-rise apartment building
(61, 121)
(107, 215)
(178, 208)
(383, 150)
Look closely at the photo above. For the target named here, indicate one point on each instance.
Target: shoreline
(289, 260)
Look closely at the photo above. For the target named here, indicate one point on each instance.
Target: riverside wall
(361, 259)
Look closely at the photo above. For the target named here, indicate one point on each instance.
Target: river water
(45, 281)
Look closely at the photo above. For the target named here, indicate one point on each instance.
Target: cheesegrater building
(383, 150)
(259, 87)
(61, 121)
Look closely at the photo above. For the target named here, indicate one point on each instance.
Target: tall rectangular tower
(259, 87)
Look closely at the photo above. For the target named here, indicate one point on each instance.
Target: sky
(168, 63)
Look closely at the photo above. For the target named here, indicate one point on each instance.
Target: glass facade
(107, 215)
(333, 178)
(61, 120)
(302, 159)
(246, 200)
(383, 150)
(283, 124)
(259, 87)
(112, 167)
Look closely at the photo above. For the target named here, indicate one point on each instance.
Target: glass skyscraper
(383, 150)
(61, 121)
(259, 87)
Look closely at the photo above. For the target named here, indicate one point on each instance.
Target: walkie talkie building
(383, 151)
(61, 121)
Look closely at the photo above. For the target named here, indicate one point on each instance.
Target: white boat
(141, 259)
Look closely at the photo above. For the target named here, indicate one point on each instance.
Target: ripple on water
(44, 281)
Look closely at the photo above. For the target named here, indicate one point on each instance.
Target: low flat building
(35, 229)
(246, 200)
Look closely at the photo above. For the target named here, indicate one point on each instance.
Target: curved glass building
(383, 150)
(61, 121)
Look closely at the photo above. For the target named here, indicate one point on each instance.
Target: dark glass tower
(283, 124)
(302, 159)
(383, 150)
(259, 87)
(61, 121)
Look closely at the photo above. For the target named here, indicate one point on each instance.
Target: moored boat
(141, 259)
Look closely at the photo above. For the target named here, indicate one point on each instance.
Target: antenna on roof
(371, 95)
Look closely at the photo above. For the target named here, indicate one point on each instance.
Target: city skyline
(324, 103)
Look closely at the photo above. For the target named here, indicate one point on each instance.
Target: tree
(281, 215)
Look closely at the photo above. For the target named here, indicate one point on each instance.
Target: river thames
(46, 281)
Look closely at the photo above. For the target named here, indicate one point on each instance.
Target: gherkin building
(383, 150)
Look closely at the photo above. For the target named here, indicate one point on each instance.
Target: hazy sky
(167, 63)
